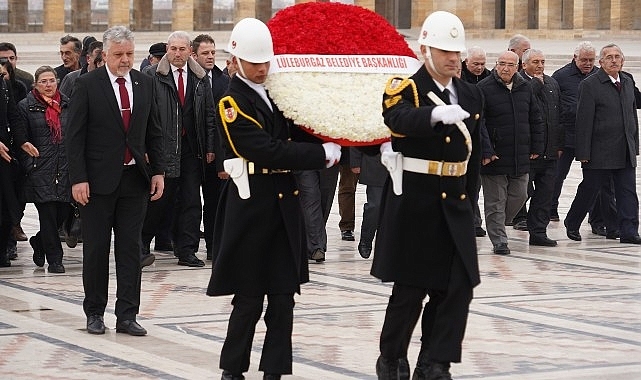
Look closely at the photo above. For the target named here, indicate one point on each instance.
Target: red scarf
(52, 114)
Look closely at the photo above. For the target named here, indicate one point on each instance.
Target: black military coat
(260, 241)
(421, 230)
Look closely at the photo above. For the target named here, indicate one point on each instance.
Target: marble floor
(570, 312)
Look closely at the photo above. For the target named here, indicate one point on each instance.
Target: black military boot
(227, 375)
(387, 369)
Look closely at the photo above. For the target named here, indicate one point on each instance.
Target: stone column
(18, 16)
(119, 13)
(617, 15)
(80, 15)
(243, 9)
(420, 10)
(143, 15)
(54, 16)
(516, 14)
(579, 23)
(369, 4)
(544, 12)
(183, 15)
(264, 10)
(203, 14)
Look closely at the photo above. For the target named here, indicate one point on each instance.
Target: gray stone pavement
(569, 312)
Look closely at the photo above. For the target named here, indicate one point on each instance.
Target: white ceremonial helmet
(443, 30)
(251, 41)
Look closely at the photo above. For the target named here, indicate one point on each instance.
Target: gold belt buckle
(434, 167)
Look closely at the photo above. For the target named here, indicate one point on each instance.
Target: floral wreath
(331, 64)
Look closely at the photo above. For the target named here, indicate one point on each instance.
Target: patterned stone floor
(570, 312)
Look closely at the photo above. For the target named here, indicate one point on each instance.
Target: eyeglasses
(504, 64)
(45, 82)
(611, 57)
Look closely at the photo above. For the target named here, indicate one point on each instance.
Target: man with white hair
(187, 114)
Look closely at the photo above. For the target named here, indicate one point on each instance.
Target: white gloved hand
(386, 147)
(448, 114)
(332, 154)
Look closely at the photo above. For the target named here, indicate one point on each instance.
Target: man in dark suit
(607, 143)
(426, 242)
(203, 50)
(114, 147)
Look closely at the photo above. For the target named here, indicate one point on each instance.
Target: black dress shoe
(318, 255)
(191, 261)
(347, 235)
(501, 249)
(599, 230)
(271, 376)
(387, 369)
(95, 324)
(147, 260)
(38, 253)
(631, 240)
(130, 327)
(612, 235)
(364, 250)
(572, 234)
(230, 376)
(479, 231)
(542, 240)
(4, 262)
(56, 268)
(433, 371)
(12, 252)
(521, 225)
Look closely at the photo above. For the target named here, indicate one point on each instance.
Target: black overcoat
(260, 241)
(421, 230)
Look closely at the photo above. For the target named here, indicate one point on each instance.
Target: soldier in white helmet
(260, 248)
(426, 241)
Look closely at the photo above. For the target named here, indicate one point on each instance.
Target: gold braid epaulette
(229, 111)
(395, 85)
(393, 88)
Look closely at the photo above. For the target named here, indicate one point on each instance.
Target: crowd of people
(136, 159)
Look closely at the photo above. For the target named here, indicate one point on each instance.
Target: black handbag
(73, 232)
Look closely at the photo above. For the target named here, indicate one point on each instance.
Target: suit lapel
(110, 97)
(139, 97)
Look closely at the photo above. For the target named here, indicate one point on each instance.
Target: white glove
(448, 114)
(332, 153)
(386, 147)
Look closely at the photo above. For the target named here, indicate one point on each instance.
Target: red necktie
(617, 84)
(181, 87)
(125, 110)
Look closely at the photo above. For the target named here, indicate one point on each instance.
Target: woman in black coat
(45, 164)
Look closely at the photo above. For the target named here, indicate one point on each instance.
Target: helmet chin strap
(240, 68)
(428, 58)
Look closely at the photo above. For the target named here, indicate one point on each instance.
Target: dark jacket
(220, 83)
(260, 241)
(421, 230)
(199, 109)
(372, 173)
(47, 176)
(469, 77)
(607, 133)
(548, 98)
(9, 119)
(568, 77)
(96, 138)
(514, 125)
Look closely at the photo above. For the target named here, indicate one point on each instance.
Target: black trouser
(444, 318)
(122, 211)
(186, 232)
(371, 210)
(277, 349)
(542, 175)
(51, 216)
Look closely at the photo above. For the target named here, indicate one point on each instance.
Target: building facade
(488, 18)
